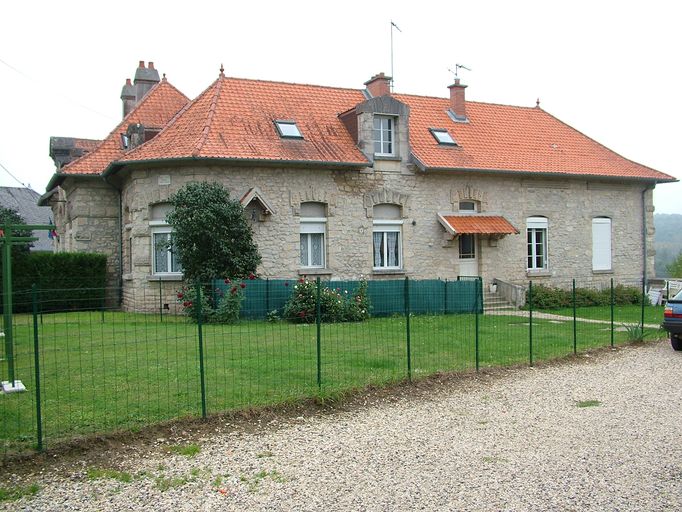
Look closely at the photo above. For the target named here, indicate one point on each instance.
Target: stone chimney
(145, 79)
(379, 85)
(128, 97)
(457, 102)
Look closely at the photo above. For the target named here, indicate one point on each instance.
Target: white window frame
(313, 226)
(384, 227)
(469, 210)
(535, 225)
(158, 228)
(602, 244)
(390, 122)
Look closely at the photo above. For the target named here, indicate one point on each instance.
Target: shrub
(546, 297)
(336, 305)
(217, 306)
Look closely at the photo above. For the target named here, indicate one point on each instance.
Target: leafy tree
(211, 234)
(675, 268)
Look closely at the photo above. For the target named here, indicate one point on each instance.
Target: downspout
(645, 275)
(120, 238)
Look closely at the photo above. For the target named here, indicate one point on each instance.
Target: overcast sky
(610, 69)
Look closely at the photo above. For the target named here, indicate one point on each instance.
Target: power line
(62, 96)
(13, 176)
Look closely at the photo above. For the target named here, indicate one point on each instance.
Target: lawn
(102, 372)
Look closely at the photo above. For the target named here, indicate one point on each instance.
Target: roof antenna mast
(457, 68)
(393, 25)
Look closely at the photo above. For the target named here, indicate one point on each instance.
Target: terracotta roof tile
(155, 110)
(508, 138)
(478, 224)
(234, 118)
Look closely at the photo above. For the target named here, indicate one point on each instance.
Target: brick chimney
(457, 102)
(128, 97)
(145, 79)
(379, 85)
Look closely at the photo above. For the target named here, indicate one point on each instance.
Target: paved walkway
(563, 318)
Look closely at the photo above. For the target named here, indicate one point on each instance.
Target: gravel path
(513, 440)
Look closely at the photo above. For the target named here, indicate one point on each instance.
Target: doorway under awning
(493, 226)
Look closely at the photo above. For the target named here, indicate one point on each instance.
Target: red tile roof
(515, 139)
(155, 110)
(477, 224)
(234, 119)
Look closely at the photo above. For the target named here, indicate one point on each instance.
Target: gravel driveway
(510, 440)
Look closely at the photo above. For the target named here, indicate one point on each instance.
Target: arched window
(386, 237)
(164, 256)
(536, 229)
(601, 243)
(313, 229)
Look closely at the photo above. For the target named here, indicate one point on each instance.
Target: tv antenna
(393, 25)
(457, 68)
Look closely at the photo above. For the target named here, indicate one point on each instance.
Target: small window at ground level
(288, 129)
(443, 137)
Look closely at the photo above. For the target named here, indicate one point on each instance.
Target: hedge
(66, 281)
(547, 297)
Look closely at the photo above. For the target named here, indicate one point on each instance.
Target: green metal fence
(94, 370)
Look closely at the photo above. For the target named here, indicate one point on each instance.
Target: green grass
(186, 450)
(99, 473)
(622, 314)
(16, 492)
(106, 372)
(588, 403)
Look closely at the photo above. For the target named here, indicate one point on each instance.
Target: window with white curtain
(601, 243)
(386, 237)
(312, 239)
(165, 259)
(537, 228)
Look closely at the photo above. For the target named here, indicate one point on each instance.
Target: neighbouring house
(344, 183)
(24, 201)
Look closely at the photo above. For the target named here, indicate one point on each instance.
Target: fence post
(575, 324)
(318, 323)
(445, 297)
(641, 323)
(407, 326)
(36, 360)
(160, 300)
(200, 329)
(479, 302)
(612, 304)
(530, 321)
(267, 296)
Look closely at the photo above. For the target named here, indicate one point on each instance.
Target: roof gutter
(117, 165)
(547, 174)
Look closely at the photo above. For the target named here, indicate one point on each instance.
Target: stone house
(350, 183)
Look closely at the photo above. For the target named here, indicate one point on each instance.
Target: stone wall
(568, 204)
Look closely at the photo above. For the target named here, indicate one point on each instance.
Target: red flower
(180, 295)
(301, 280)
(227, 281)
(252, 276)
(242, 285)
(301, 314)
(186, 303)
(233, 290)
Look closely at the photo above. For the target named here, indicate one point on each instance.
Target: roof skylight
(443, 137)
(288, 130)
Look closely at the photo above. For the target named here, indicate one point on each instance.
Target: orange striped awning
(477, 225)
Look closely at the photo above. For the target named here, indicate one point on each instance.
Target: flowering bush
(217, 305)
(335, 305)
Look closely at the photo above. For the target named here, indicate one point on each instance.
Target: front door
(468, 260)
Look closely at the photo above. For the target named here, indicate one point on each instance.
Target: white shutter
(601, 243)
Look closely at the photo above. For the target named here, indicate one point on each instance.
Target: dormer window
(384, 135)
(288, 130)
(442, 136)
